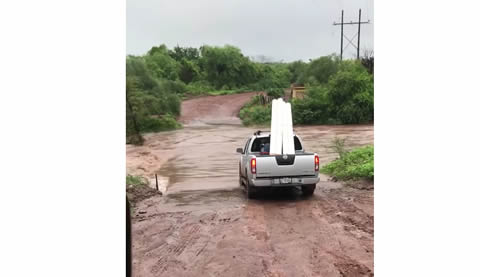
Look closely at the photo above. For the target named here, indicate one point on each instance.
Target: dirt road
(215, 109)
(204, 225)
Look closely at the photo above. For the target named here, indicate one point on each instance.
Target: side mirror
(240, 150)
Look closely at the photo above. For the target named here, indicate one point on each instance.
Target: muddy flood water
(203, 225)
(203, 156)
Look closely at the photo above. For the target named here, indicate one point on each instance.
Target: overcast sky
(279, 29)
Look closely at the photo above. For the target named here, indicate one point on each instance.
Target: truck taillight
(317, 163)
(253, 165)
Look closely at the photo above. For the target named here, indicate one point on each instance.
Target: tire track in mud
(297, 239)
(186, 244)
(350, 268)
(341, 208)
(296, 234)
(306, 237)
(352, 228)
(170, 253)
(257, 229)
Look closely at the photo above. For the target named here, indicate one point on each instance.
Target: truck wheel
(240, 182)
(308, 190)
(250, 190)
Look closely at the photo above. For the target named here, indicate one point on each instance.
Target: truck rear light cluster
(253, 165)
(317, 163)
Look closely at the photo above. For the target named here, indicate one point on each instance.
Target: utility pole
(359, 24)
(341, 41)
(357, 34)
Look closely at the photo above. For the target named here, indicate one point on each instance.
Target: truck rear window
(259, 142)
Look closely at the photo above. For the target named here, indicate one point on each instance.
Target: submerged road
(205, 226)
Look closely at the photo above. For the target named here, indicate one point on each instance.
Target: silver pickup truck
(257, 168)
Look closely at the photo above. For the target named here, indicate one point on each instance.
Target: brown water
(202, 156)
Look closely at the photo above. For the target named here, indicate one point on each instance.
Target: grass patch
(226, 91)
(133, 180)
(192, 94)
(201, 88)
(353, 165)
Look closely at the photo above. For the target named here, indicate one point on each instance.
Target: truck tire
(240, 178)
(250, 190)
(308, 190)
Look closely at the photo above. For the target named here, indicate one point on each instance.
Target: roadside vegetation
(338, 92)
(352, 165)
(138, 189)
(160, 79)
(254, 113)
(134, 180)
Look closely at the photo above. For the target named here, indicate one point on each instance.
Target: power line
(359, 23)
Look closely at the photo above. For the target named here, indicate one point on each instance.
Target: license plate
(285, 180)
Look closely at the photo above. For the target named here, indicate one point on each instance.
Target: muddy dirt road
(204, 225)
(215, 109)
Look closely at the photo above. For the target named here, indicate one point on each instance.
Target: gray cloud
(281, 30)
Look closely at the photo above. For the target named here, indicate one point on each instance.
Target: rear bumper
(266, 182)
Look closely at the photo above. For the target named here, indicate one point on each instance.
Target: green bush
(256, 115)
(172, 87)
(275, 92)
(155, 124)
(313, 109)
(226, 67)
(199, 87)
(347, 98)
(273, 75)
(151, 102)
(136, 69)
(350, 94)
(297, 71)
(172, 104)
(162, 65)
(355, 164)
(255, 100)
(320, 70)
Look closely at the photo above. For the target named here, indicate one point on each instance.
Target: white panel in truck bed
(281, 129)
(275, 128)
(287, 130)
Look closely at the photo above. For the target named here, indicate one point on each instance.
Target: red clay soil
(220, 233)
(222, 107)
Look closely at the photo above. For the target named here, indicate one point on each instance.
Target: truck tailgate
(273, 166)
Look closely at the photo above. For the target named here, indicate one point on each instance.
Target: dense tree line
(338, 92)
(158, 80)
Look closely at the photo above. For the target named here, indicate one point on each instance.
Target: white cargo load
(281, 129)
